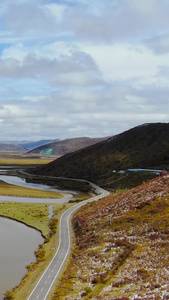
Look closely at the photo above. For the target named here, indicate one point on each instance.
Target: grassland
(23, 161)
(14, 190)
(32, 214)
(14, 159)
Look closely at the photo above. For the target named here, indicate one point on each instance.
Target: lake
(17, 246)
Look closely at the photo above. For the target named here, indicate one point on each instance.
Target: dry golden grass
(19, 161)
(122, 247)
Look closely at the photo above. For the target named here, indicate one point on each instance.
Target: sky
(74, 68)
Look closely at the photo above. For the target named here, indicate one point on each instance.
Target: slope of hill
(145, 146)
(11, 147)
(122, 247)
(31, 145)
(66, 146)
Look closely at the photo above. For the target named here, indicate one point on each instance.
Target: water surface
(17, 245)
(15, 180)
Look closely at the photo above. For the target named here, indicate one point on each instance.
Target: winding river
(17, 241)
(21, 182)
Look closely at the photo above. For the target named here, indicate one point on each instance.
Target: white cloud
(75, 68)
(124, 61)
(28, 17)
(56, 10)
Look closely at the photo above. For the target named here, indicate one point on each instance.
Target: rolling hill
(11, 147)
(145, 146)
(63, 147)
(27, 144)
(34, 144)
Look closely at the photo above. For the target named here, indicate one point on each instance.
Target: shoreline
(24, 223)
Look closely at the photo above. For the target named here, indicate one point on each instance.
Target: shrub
(8, 295)
(53, 226)
(86, 292)
(143, 273)
(40, 254)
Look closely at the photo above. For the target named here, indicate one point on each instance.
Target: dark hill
(63, 147)
(145, 146)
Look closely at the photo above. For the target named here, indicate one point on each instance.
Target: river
(18, 243)
(15, 180)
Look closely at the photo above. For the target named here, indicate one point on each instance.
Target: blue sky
(82, 68)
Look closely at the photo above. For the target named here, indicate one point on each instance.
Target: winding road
(43, 287)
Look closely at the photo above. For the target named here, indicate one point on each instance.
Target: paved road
(48, 278)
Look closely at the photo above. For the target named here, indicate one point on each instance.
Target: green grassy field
(32, 214)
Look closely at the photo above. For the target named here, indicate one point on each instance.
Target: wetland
(33, 205)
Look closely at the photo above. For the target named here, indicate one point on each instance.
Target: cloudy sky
(71, 68)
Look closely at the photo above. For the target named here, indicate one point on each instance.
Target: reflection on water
(18, 243)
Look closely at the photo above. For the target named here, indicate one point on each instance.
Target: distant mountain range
(145, 146)
(22, 145)
(11, 147)
(55, 147)
(35, 144)
(62, 147)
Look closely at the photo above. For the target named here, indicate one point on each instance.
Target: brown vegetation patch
(122, 247)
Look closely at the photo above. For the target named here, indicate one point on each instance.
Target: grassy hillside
(34, 144)
(67, 146)
(11, 147)
(122, 247)
(145, 146)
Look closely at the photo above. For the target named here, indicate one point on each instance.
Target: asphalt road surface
(43, 287)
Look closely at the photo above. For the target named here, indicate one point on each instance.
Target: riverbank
(7, 189)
